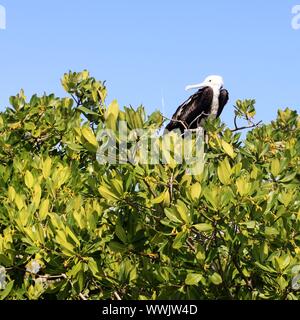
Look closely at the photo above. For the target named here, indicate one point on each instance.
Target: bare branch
(201, 114)
(82, 296)
(48, 277)
(170, 185)
(255, 125)
(235, 122)
(117, 296)
(191, 245)
(179, 121)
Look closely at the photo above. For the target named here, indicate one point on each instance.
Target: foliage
(72, 228)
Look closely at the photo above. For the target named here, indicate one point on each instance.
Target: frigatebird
(208, 101)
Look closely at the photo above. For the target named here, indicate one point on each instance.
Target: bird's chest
(215, 104)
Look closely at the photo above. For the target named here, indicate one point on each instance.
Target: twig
(117, 295)
(235, 122)
(247, 281)
(171, 186)
(52, 277)
(201, 114)
(82, 296)
(223, 277)
(77, 101)
(190, 245)
(247, 127)
(175, 120)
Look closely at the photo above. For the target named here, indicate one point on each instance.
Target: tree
(72, 227)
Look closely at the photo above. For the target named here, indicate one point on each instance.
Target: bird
(208, 101)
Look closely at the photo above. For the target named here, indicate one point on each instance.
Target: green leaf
(249, 224)
(192, 279)
(94, 268)
(11, 193)
(159, 199)
(29, 179)
(264, 251)
(112, 115)
(285, 197)
(172, 215)
(283, 262)
(88, 111)
(243, 186)
(66, 247)
(44, 209)
(203, 227)
(19, 201)
(37, 193)
(179, 240)
(72, 236)
(282, 283)
(47, 168)
(216, 279)
(288, 178)
(89, 136)
(270, 231)
(196, 191)
(265, 268)
(224, 172)
(107, 193)
(275, 167)
(184, 212)
(121, 234)
(113, 109)
(74, 146)
(117, 247)
(5, 293)
(4, 260)
(228, 148)
(75, 270)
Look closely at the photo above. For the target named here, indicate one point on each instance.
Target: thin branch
(255, 125)
(201, 114)
(170, 185)
(52, 277)
(221, 271)
(174, 120)
(247, 281)
(205, 216)
(117, 296)
(77, 101)
(191, 245)
(82, 296)
(235, 122)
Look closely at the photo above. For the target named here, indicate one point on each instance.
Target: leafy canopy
(72, 228)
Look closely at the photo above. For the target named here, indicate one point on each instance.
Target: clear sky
(147, 50)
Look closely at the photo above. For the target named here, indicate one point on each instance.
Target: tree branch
(255, 125)
(117, 295)
(174, 120)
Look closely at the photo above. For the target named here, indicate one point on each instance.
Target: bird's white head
(216, 82)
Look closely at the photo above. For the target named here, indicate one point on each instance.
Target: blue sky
(149, 49)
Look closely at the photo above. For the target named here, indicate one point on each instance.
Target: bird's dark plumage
(190, 114)
(223, 99)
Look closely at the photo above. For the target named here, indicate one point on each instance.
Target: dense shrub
(73, 228)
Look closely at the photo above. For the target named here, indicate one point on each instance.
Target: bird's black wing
(190, 113)
(223, 99)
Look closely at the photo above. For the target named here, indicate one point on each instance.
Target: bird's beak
(195, 86)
